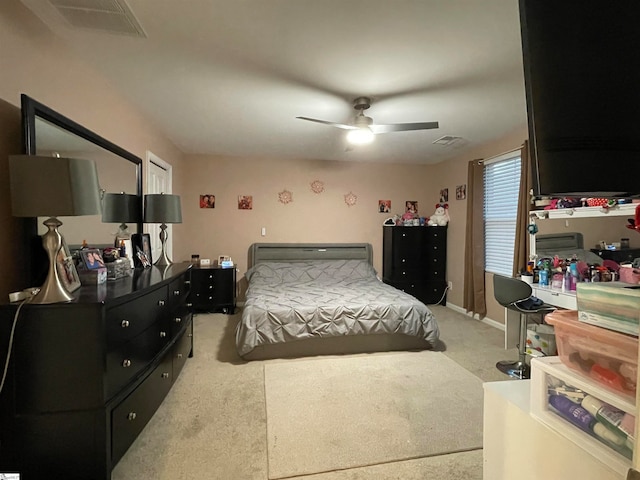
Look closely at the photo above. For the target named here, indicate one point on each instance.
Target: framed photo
(207, 201)
(67, 268)
(141, 241)
(91, 258)
(461, 192)
(384, 206)
(444, 195)
(142, 258)
(245, 202)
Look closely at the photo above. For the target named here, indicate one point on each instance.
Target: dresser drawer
(128, 320)
(182, 349)
(178, 290)
(130, 358)
(134, 412)
(179, 319)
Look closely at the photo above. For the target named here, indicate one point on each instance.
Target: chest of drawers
(85, 377)
(213, 289)
(414, 260)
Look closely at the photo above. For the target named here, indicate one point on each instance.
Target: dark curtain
(521, 250)
(474, 288)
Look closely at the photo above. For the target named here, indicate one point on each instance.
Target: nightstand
(213, 289)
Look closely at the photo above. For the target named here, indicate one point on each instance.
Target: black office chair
(516, 295)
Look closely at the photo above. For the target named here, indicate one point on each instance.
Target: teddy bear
(441, 216)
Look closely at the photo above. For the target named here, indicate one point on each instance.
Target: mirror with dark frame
(47, 132)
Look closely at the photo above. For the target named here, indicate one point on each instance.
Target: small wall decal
(285, 196)
(350, 199)
(245, 202)
(317, 186)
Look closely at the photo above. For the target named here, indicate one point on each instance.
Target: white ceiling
(229, 76)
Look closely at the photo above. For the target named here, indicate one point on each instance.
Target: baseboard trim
(487, 320)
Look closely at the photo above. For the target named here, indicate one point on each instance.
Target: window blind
(501, 186)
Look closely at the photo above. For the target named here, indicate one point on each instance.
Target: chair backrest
(508, 290)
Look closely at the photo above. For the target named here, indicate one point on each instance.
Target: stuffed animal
(441, 216)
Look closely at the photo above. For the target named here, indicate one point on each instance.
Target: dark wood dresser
(213, 289)
(414, 260)
(85, 377)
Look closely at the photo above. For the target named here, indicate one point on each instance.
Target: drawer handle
(404, 273)
(189, 305)
(555, 294)
(210, 287)
(187, 282)
(210, 276)
(126, 363)
(163, 334)
(210, 298)
(132, 416)
(404, 234)
(179, 355)
(190, 335)
(403, 260)
(165, 375)
(176, 293)
(161, 303)
(435, 248)
(177, 319)
(124, 324)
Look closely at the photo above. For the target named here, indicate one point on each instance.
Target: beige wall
(35, 63)
(48, 72)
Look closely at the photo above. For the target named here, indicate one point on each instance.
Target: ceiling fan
(362, 130)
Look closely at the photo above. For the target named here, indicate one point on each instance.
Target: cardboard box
(612, 305)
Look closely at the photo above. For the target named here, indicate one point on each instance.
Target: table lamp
(162, 208)
(121, 208)
(53, 186)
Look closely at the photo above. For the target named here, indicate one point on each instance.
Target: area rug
(334, 413)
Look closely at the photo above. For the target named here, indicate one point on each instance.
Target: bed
(313, 299)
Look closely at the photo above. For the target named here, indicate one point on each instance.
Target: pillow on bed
(334, 270)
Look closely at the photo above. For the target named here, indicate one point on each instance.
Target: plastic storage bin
(610, 358)
(549, 376)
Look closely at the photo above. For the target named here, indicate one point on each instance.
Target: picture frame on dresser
(67, 268)
(142, 241)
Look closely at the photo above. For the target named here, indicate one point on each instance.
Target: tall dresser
(414, 261)
(85, 377)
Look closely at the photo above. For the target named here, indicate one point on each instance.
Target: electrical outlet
(450, 285)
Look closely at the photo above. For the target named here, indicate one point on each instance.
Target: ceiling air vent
(448, 140)
(113, 16)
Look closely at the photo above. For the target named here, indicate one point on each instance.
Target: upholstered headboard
(300, 252)
(565, 245)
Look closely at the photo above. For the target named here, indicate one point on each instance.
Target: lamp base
(164, 260)
(53, 290)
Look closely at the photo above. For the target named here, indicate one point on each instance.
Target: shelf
(623, 210)
(540, 368)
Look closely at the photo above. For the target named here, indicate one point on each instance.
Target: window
(501, 186)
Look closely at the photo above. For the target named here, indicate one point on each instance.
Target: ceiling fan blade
(333, 124)
(402, 127)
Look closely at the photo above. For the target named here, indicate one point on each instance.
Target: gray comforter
(293, 301)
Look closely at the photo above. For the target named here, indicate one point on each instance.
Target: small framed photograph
(91, 258)
(67, 268)
(444, 195)
(142, 258)
(207, 201)
(461, 192)
(141, 241)
(245, 202)
(384, 206)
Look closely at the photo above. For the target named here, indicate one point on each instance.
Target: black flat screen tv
(582, 82)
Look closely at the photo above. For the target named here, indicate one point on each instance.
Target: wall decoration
(384, 206)
(317, 186)
(411, 206)
(245, 202)
(350, 199)
(207, 201)
(461, 192)
(444, 195)
(285, 196)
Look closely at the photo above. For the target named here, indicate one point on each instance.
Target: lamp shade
(53, 186)
(121, 208)
(162, 208)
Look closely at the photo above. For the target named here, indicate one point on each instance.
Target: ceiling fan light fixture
(360, 136)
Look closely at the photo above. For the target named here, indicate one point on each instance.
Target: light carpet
(335, 413)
